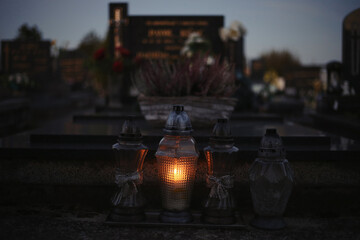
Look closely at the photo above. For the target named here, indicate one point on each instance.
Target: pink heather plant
(189, 77)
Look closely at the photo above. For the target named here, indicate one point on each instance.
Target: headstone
(257, 70)
(119, 21)
(72, 67)
(302, 78)
(334, 72)
(235, 54)
(32, 58)
(351, 49)
(160, 37)
(164, 36)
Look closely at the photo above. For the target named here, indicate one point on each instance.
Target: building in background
(257, 70)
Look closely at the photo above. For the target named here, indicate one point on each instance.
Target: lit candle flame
(178, 174)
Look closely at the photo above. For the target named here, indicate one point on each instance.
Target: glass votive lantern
(271, 180)
(129, 155)
(219, 207)
(177, 160)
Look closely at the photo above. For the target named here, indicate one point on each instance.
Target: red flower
(123, 51)
(118, 66)
(99, 54)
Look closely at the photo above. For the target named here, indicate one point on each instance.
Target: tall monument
(351, 49)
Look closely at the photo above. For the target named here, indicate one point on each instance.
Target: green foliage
(88, 46)
(27, 33)
(103, 65)
(90, 43)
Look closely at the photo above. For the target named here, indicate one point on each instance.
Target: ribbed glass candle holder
(177, 176)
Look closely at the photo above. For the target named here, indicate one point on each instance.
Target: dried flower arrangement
(188, 77)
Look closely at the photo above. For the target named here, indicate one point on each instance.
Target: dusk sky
(309, 28)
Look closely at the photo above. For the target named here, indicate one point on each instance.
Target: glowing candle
(177, 159)
(178, 175)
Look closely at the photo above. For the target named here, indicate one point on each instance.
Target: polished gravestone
(30, 57)
(160, 37)
(70, 161)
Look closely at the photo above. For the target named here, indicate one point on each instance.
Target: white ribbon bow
(219, 185)
(127, 184)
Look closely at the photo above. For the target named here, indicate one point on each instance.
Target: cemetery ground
(75, 222)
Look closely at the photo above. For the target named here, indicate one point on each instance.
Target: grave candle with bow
(129, 158)
(220, 156)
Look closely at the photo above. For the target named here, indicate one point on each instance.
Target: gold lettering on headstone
(26, 57)
(186, 32)
(39, 69)
(159, 33)
(21, 66)
(161, 23)
(168, 41)
(173, 48)
(153, 55)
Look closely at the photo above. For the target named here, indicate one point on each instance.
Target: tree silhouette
(90, 43)
(280, 61)
(26, 33)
